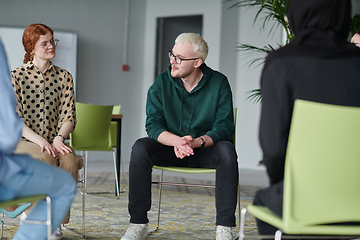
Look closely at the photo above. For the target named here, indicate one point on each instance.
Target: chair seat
(17, 211)
(185, 169)
(266, 215)
(20, 201)
(92, 148)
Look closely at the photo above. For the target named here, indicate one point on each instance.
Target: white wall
(248, 78)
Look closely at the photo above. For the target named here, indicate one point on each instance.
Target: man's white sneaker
(136, 232)
(223, 233)
(57, 234)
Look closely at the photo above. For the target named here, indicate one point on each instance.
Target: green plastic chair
(187, 170)
(322, 180)
(20, 201)
(92, 133)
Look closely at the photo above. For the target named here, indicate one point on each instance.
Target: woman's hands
(54, 149)
(58, 142)
(46, 146)
(60, 146)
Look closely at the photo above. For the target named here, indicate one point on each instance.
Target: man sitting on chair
(189, 123)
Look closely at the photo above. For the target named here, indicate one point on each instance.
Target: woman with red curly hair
(46, 103)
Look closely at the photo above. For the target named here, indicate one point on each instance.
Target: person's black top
(318, 65)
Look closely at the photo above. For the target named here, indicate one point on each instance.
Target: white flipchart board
(66, 51)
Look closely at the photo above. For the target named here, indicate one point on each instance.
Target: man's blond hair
(195, 40)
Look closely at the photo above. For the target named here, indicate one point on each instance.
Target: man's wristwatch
(202, 144)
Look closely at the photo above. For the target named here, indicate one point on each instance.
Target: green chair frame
(321, 180)
(187, 170)
(34, 198)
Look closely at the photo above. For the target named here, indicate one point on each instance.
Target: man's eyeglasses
(53, 42)
(178, 59)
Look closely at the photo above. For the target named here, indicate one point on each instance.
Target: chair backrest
(113, 126)
(322, 179)
(92, 131)
(116, 109)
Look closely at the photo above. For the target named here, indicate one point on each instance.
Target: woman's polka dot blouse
(44, 101)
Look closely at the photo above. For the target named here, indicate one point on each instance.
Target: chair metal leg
(2, 229)
(83, 193)
(278, 234)
(86, 167)
(48, 222)
(159, 205)
(122, 172)
(83, 202)
(116, 176)
(117, 180)
(242, 224)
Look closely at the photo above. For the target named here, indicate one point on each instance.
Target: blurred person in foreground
(318, 65)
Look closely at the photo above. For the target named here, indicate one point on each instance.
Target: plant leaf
(254, 95)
